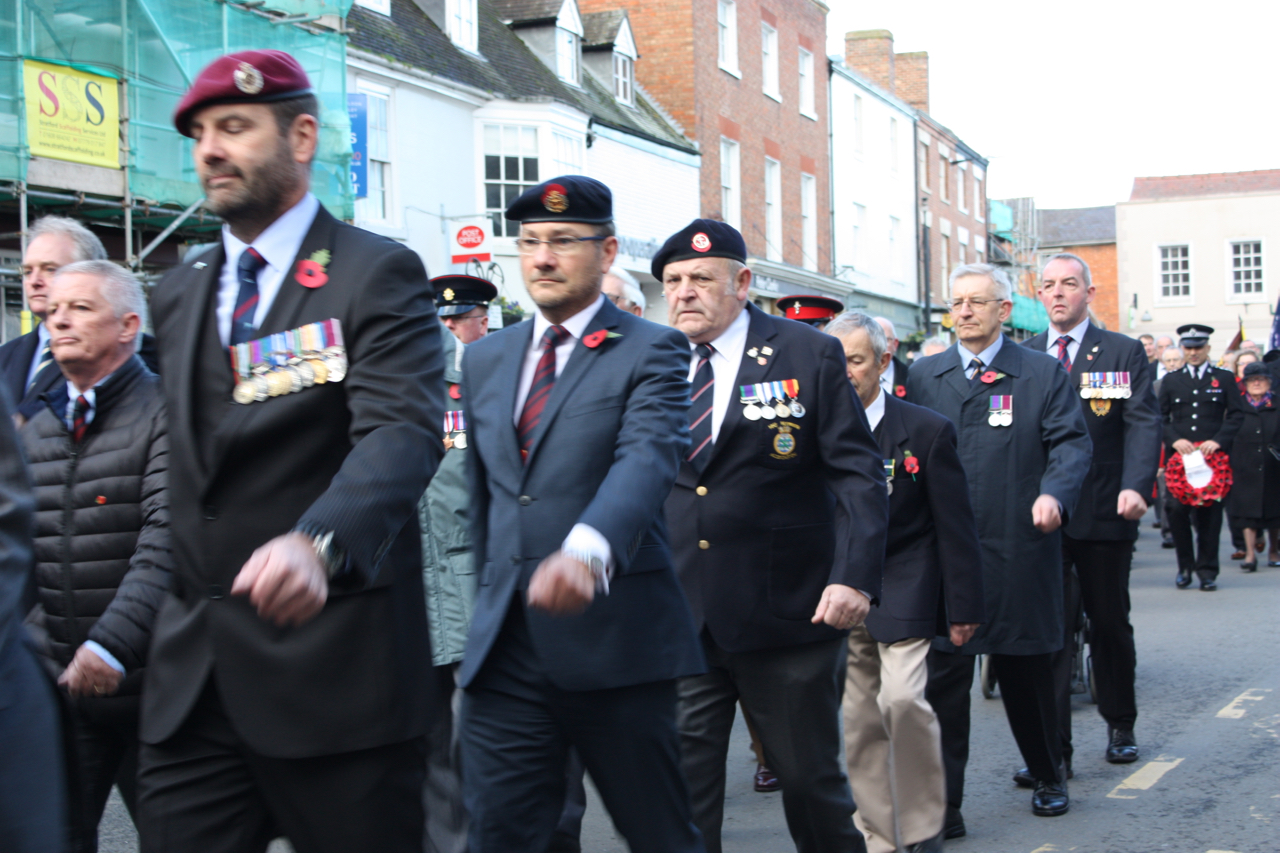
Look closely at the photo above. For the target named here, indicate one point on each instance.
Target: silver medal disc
(751, 412)
(797, 410)
(1006, 419)
(994, 419)
(768, 413)
(781, 409)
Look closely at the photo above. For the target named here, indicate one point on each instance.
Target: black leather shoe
(1050, 799)
(1208, 586)
(1249, 567)
(1183, 580)
(953, 825)
(1121, 747)
(929, 845)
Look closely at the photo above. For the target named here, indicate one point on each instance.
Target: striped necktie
(1063, 355)
(544, 379)
(79, 419)
(46, 359)
(700, 405)
(975, 366)
(242, 326)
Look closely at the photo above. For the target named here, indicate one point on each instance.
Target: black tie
(242, 327)
(702, 396)
(976, 366)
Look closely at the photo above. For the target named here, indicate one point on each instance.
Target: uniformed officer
(1201, 408)
(817, 311)
(462, 301)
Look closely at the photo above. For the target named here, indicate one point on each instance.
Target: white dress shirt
(583, 538)
(886, 380)
(724, 367)
(42, 333)
(278, 245)
(875, 412)
(1073, 348)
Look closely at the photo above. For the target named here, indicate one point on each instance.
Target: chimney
(913, 79)
(870, 53)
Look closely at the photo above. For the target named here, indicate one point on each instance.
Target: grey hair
(630, 287)
(119, 287)
(1167, 350)
(936, 340)
(893, 330)
(87, 245)
(851, 321)
(1084, 267)
(998, 277)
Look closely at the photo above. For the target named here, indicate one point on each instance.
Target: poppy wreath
(1175, 477)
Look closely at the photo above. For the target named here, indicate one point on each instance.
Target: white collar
(575, 325)
(733, 339)
(875, 412)
(279, 243)
(1077, 334)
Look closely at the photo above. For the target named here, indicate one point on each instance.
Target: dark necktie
(242, 327)
(700, 405)
(976, 367)
(1063, 355)
(46, 359)
(544, 379)
(79, 418)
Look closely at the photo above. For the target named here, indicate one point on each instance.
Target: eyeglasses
(557, 245)
(975, 304)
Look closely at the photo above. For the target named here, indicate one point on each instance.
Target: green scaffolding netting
(158, 47)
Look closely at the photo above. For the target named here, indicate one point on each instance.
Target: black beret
(1256, 368)
(458, 294)
(701, 238)
(568, 198)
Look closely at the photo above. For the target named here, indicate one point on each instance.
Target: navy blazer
(605, 454)
(933, 561)
(770, 523)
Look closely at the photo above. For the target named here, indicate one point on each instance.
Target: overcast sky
(1071, 101)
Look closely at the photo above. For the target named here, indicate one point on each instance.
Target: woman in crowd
(1254, 500)
(1241, 360)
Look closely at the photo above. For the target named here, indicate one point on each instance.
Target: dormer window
(569, 44)
(624, 79)
(460, 21)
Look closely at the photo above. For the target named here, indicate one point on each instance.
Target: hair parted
(119, 287)
(88, 246)
(850, 321)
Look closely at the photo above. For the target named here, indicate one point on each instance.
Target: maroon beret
(247, 77)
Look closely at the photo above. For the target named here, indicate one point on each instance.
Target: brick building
(747, 80)
(950, 176)
(1089, 233)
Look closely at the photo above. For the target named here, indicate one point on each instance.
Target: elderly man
(1026, 451)
(623, 290)
(98, 452)
(1097, 542)
(302, 358)
(1157, 368)
(933, 346)
(893, 380)
(462, 303)
(933, 566)
(778, 522)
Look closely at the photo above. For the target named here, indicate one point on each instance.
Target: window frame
(809, 221)
(923, 155)
(626, 81)
(770, 73)
(807, 81)
(773, 209)
(962, 186)
(944, 178)
(731, 193)
(1260, 295)
(727, 36)
(463, 32)
(1181, 299)
(498, 223)
(385, 168)
(568, 50)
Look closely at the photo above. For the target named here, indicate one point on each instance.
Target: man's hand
(1184, 447)
(561, 585)
(1130, 505)
(18, 420)
(284, 580)
(962, 632)
(1046, 515)
(841, 607)
(90, 675)
(1209, 447)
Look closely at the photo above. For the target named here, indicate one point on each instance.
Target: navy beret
(701, 238)
(247, 77)
(568, 198)
(458, 294)
(1256, 368)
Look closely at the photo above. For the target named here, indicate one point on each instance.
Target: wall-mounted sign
(358, 113)
(470, 242)
(71, 115)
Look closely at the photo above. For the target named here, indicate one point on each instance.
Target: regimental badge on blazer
(785, 439)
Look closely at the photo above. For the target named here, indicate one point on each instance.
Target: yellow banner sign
(71, 115)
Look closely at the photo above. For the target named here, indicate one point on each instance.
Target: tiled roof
(511, 71)
(522, 11)
(601, 28)
(1077, 225)
(1221, 183)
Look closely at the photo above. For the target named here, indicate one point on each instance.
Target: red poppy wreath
(1175, 477)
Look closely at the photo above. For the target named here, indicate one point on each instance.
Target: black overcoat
(1255, 473)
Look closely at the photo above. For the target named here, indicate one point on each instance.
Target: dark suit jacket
(900, 371)
(1126, 436)
(1210, 407)
(1045, 451)
(604, 454)
(350, 457)
(15, 362)
(780, 527)
(933, 561)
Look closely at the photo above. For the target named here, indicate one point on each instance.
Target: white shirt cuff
(585, 539)
(107, 658)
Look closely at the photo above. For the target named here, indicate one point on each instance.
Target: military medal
(791, 387)
(748, 397)
(455, 429)
(889, 465)
(288, 362)
(1001, 410)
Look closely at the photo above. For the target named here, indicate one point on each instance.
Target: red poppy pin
(102, 499)
(989, 377)
(455, 392)
(900, 390)
(598, 337)
(311, 272)
(1213, 384)
(910, 464)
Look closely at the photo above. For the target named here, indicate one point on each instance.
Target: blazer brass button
(525, 500)
(702, 491)
(704, 544)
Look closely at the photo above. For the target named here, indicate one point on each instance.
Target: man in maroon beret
(286, 691)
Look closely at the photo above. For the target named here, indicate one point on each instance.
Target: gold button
(701, 490)
(704, 544)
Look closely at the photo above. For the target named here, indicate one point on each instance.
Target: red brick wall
(1101, 259)
(912, 81)
(678, 65)
(871, 53)
(949, 210)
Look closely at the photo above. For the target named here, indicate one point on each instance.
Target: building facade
(1195, 248)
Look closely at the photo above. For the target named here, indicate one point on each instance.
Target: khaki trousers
(893, 745)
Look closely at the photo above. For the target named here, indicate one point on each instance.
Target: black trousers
(204, 791)
(517, 728)
(446, 826)
(1096, 576)
(793, 696)
(1206, 522)
(101, 749)
(1030, 704)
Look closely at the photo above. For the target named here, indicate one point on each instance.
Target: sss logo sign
(71, 114)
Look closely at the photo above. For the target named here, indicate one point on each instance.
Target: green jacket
(448, 571)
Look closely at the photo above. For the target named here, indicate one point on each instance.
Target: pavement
(1208, 727)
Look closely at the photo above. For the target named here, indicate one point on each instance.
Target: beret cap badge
(448, 294)
(248, 79)
(554, 199)
(701, 242)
